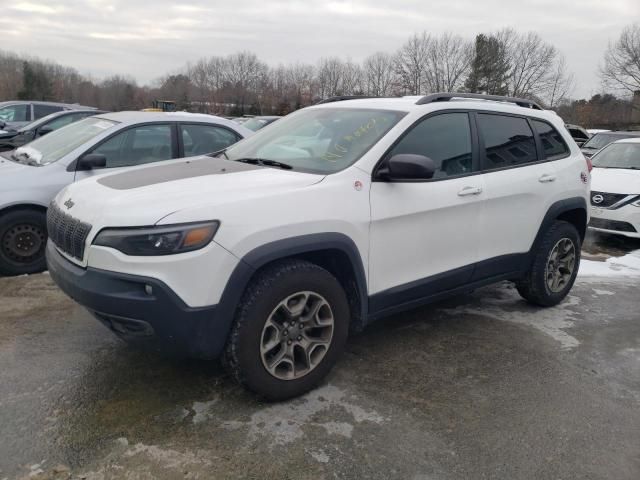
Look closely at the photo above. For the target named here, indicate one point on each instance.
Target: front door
(423, 234)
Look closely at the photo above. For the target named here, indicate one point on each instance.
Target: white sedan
(615, 188)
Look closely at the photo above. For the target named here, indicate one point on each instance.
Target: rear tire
(23, 240)
(554, 268)
(290, 328)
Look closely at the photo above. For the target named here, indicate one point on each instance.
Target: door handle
(469, 191)
(546, 178)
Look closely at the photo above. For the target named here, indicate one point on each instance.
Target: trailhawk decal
(175, 171)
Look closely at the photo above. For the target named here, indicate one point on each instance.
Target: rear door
(423, 233)
(200, 138)
(521, 181)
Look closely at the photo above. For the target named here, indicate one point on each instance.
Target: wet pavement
(482, 386)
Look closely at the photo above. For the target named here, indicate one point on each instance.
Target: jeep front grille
(68, 233)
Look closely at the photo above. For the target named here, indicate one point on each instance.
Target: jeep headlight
(160, 240)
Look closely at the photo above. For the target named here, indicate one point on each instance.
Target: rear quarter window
(553, 145)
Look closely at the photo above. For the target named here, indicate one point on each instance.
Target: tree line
(505, 62)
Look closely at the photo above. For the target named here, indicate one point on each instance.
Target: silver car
(31, 175)
(17, 113)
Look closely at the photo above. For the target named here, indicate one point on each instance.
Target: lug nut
(299, 337)
(286, 332)
(288, 342)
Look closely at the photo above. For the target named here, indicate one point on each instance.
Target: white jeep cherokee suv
(327, 220)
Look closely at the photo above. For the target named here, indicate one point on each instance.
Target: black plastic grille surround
(608, 199)
(612, 225)
(69, 234)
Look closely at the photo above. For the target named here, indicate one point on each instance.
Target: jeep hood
(144, 196)
(615, 180)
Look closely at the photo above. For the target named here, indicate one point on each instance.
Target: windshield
(619, 155)
(319, 140)
(255, 124)
(600, 140)
(57, 144)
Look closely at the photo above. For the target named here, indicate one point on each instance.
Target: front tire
(290, 328)
(554, 268)
(23, 239)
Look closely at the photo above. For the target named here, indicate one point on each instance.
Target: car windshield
(57, 144)
(320, 140)
(619, 155)
(600, 140)
(255, 124)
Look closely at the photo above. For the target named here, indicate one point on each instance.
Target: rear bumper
(141, 310)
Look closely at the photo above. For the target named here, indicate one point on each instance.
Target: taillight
(589, 164)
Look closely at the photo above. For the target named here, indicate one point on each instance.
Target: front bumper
(141, 310)
(621, 221)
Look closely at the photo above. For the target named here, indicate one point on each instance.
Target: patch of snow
(319, 456)
(625, 266)
(551, 321)
(603, 292)
(166, 457)
(201, 410)
(284, 422)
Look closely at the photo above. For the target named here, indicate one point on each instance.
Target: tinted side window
(135, 146)
(446, 139)
(553, 145)
(16, 113)
(508, 141)
(62, 121)
(203, 139)
(40, 111)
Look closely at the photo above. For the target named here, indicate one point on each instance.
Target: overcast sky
(148, 38)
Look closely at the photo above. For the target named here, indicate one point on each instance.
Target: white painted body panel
(403, 232)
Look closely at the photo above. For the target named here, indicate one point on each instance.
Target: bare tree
(329, 77)
(379, 74)
(621, 69)
(351, 79)
(447, 63)
(561, 84)
(411, 61)
(531, 62)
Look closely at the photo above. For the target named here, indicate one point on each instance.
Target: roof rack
(445, 97)
(340, 98)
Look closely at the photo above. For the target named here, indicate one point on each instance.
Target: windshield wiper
(264, 162)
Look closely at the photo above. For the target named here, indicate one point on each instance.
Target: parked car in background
(256, 123)
(38, 128)
(601, 140)
(17, 113)
(615, 188)
(31, 175)
(579, 134)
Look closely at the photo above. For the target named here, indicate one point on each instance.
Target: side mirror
(44, 130)
(91, 161)
(408, 166)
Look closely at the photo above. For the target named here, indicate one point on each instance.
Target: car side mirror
(44, 130)
(91, 161)
(408, 166)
